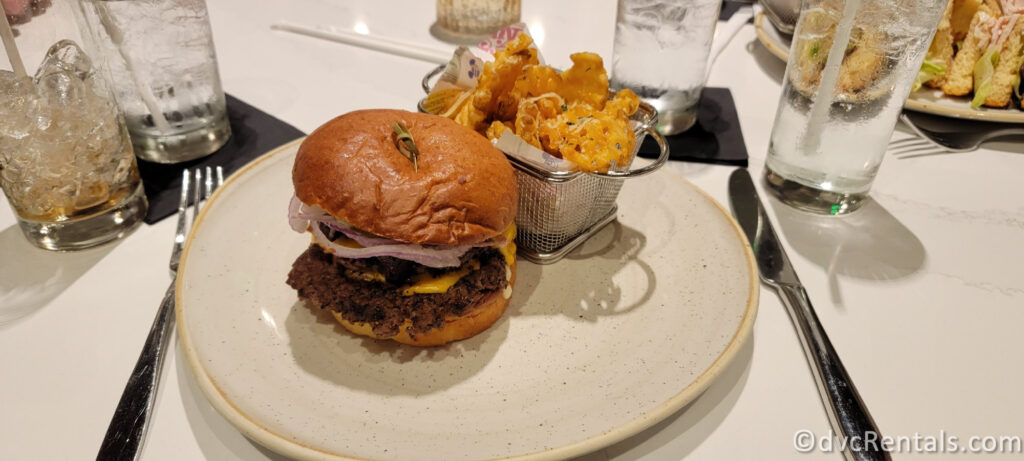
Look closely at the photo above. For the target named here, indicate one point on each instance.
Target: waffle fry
(566, 114)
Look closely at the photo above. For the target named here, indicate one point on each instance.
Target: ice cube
(18, 103)
(65, 56)
(61, 143)
(11, 85)
(62, 89)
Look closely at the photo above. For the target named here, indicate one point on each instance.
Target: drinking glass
(66, 164)
(164, 69)
(849, 72)
(476, 19)
(661, 53)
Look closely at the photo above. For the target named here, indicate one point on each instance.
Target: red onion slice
(295, 219)
(430, 257)
(302, 217)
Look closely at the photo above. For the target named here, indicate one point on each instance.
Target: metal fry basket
(559, 210)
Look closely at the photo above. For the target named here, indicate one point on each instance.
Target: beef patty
(320, 280)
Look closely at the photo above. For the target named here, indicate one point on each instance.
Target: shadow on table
(31, 277)
(679, 434)
(217, 438)
(443, 35)
(772, 66)
(868, 244)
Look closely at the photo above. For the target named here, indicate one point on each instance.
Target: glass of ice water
(162, 62)
(661, 53)
(850, 69)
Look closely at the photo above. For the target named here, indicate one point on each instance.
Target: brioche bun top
(464, 191)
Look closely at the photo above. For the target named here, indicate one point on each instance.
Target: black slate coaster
(253, 133)
(730, 8)
(715, 138)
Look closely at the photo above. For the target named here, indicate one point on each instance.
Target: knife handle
(846, 411)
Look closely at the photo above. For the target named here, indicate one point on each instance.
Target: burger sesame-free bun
(463, 193)
(476, 319)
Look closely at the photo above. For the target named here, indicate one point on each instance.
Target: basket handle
(426, 78)
(658, 162)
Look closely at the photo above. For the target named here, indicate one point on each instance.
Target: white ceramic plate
(623, 332)
(925, 100)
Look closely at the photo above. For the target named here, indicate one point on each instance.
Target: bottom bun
(476, 319)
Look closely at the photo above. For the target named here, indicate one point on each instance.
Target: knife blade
(846, 411)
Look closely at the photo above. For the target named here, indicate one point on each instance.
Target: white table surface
(922, 292)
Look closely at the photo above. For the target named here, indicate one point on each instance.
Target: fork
(128, 427)
(914, 147)
(955, 136)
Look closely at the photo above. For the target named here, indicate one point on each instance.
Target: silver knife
(846, 411)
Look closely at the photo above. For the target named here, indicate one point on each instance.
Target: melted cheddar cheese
(347, 242)
(425, 283)
(509, 250)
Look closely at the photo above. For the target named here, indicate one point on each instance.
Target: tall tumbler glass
(161, 57)
(661, 53)
(66, 164)
(849, 72)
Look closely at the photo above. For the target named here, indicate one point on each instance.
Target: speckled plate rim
(282, 445)
(917, 101)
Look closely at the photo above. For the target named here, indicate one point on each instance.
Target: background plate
(626, 330)
(925, 100)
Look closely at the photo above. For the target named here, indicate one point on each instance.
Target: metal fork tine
(905, 153)
(910, 155)
(209, 183)
(898, 142)
(197, 195)
(179, 233)
(183, 201)
(917, 144)
(220, 176)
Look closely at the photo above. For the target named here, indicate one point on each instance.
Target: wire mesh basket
(559, 210)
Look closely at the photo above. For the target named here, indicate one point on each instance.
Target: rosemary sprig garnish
(405, 144)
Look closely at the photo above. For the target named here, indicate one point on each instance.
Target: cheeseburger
(411, 217)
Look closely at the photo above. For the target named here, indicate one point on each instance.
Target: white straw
(117, 38)
(829, 76)
(12, 50)
(373, 42)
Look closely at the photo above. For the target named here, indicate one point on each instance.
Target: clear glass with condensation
(161, 58)
(849, 72)
(661, 53)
